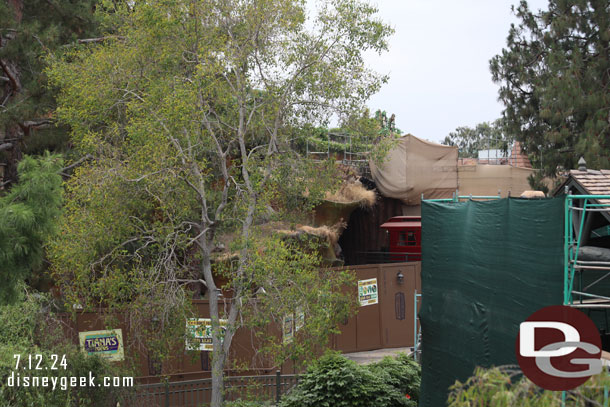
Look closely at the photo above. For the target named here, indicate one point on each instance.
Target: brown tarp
(483, 179)
(415, 167)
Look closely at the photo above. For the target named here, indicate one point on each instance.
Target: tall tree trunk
(218, 355)
(217, 377)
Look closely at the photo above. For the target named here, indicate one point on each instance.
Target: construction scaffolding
(349, 155)
(579, 291)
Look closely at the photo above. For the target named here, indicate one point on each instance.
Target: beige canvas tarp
(485, 179)
(415, 167)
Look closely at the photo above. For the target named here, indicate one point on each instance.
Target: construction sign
(288, 328)
(368, 294)
(199, 333)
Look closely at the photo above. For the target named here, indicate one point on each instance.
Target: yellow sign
(288, 328)
(108, 344)
(368, 294)
(199, 331)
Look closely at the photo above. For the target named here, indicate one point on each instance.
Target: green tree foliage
(554, 76)
(186, 111)
(506, 387)
(483, 136)
(363, 124)
(538, 182)
(28, 215)
(376, 135)
(29, 327)
(297, 292)
(360, 136)
(336, 381)
(30, 30)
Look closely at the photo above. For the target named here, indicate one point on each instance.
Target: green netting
(486, 267)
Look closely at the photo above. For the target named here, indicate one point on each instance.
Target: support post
(415, 325)
(166, 394)
(278, 386)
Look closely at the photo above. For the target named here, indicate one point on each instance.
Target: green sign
(199, 332)
(368, 294)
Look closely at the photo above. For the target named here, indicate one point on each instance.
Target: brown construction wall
(183, 365)
(388, 324)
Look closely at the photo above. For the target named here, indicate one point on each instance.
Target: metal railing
(198, 393)
(372, 257)
(456, 197)
(358, 159)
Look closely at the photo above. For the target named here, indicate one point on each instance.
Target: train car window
(402, 238)
(411, 241)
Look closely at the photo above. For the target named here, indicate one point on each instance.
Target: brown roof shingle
(594, 182)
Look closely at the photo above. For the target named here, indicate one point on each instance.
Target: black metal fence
(371, 257)
(197, 393)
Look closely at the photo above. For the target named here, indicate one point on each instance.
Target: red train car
(405, 236)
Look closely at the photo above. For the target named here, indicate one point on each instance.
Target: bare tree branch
(39, 123)
(182, 280)
(77, 163)
(12, 75)
(100, 39)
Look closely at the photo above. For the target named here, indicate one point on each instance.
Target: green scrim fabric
(486, 267)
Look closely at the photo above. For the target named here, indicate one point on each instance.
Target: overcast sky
(438, 62)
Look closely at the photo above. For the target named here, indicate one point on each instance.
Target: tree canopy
(483, 136)
(187, 110)
(554, 76)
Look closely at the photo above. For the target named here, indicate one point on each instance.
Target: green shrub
(403, 373)
(506, 387)
(334, 381)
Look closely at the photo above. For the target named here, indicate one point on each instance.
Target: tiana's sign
(107, 344)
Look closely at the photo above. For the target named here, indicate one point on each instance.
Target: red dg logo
(558, 348)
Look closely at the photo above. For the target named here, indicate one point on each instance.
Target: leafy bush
(403, 374)
(506, 387)
(334, 381)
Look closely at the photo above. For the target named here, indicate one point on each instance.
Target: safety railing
(456, 197)
(382, 257)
